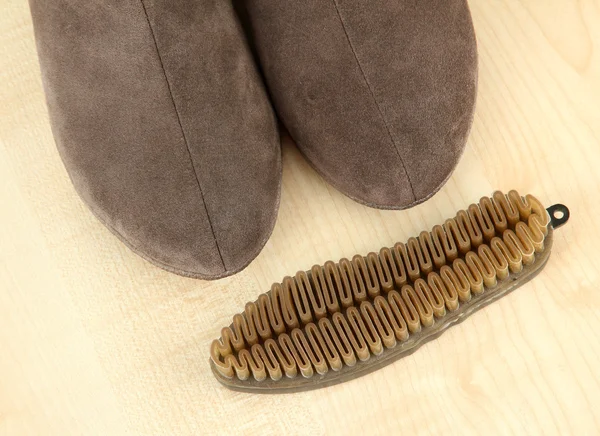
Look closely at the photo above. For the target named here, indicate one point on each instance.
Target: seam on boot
(162, 66)
(337, 10)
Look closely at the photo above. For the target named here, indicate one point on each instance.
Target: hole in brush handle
(559, 215)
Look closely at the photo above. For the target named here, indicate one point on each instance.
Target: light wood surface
(94, 340)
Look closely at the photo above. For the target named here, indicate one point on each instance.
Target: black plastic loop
(559, 214)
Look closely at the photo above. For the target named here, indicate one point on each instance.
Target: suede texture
(164, 126)
(379, 95)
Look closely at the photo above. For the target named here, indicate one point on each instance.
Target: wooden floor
(94, 340)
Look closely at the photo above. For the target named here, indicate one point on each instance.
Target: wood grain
(94, 340)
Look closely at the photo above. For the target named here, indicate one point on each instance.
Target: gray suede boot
(164, 126)
(378, 95)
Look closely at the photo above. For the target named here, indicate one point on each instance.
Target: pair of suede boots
(165, 111)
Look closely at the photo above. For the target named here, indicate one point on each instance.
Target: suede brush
(343, 320)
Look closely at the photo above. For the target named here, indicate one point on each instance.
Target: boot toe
(177, 154)
(383, 98)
